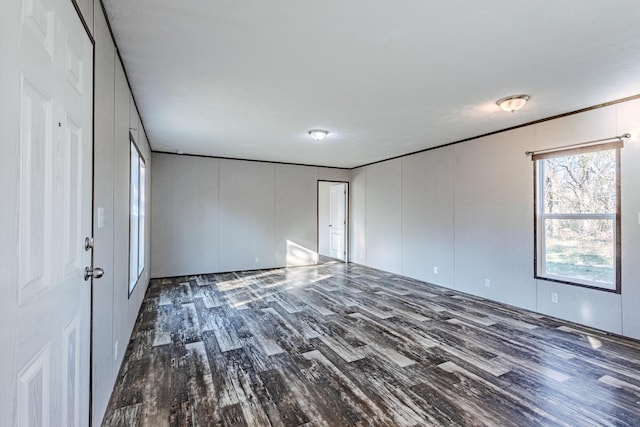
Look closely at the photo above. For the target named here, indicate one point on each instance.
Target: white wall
(114, 311)
(468, 209)
(103, 366)
(628, 120)
(295, 207)
(493, 217)
(358, 212)
(427, 222)
(181, 186)
(384, 216)
(247, 215)
(212, 215)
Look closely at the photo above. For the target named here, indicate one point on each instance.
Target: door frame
(347, 231)
(87, 30)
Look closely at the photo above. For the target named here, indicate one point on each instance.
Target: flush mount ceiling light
(513, 103)
(318, 134)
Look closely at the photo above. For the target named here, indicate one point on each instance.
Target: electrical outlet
(554, 297)
(115, 351)
(435, 270)
(487, 283)
(257, 259)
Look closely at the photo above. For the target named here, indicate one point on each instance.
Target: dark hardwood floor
(346, 345)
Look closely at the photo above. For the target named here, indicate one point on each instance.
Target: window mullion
(579, 216)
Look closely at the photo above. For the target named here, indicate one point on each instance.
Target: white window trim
(135, 278)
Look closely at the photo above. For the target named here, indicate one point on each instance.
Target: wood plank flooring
(346, 345)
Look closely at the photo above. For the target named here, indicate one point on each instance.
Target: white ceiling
(248, 78)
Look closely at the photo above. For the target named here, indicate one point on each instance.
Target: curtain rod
(548, 150)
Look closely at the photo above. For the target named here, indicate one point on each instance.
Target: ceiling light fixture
(513, 103)
(318, 134)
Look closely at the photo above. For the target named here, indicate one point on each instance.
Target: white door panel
(338, 222)
(45, 368)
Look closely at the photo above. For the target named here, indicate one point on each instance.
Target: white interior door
(48, 82)
(338, 221)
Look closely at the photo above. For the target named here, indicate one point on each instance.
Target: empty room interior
(320, 213)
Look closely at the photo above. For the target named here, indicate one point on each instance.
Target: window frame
(539, 217)
(141, 198)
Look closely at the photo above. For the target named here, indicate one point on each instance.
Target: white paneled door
(338, 221)
(47, 118)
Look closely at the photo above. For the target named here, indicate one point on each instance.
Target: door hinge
(88, 243)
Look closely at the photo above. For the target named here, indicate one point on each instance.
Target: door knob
(96, 273)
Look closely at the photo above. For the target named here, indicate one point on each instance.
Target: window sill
(581, 285)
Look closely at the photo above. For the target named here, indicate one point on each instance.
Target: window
(136, 216)
(578, 216)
